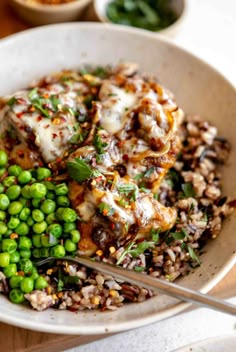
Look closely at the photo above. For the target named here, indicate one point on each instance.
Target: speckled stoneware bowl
(198, 89)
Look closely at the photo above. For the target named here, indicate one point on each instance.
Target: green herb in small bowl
(153, 15)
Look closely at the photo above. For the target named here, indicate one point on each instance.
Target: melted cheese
(115, 102)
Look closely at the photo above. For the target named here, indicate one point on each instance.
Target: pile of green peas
(36, 221)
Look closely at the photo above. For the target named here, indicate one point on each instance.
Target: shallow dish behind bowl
(198, 89)
(40, 14)
(178, 6)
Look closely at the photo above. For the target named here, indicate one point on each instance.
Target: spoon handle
(155, 284)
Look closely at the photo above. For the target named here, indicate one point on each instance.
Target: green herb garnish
(188, 190)
(155, 234)
(193, 255)
(125, 252)
(99, 144)
(12, 101)
(79, 170)
(105, 209)
(141, 248)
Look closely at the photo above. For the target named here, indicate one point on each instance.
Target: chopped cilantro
(125, 252)
(38, 104)
(105, 209)
(188, 190)
(33, 93)
(76, 138)
(139, 269)
(79, 170)
(141, 248)
(193, 255)
(55, 101)
(127, 188)
(11, 101)
(99, 144)
(155, 234)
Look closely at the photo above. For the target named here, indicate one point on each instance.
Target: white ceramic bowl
(179, 6)
(40, 14)
(198, 89)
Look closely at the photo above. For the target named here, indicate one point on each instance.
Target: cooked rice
(200, 216)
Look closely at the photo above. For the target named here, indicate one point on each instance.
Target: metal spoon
(151, 283)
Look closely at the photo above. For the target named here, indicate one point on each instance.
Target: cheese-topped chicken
(116, 133)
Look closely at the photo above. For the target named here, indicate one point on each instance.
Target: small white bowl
(178, 6)
(40, 14)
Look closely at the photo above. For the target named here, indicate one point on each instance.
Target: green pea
(51, 218)
(8, 233)
(4, 259)
(36, 240)
(75, 236)
(27, 285)
(51, 195)
(44, 252)
(14, 257)
(24, 177)
(3, 172)
(30, 221)
(15, 280)
(24, 242)
(48, 240)
(37, 215)
(48, 206)
(9, 181)
(24, 214)
(49, 185)
(4, 202)
(42, 173)
(10, 270)
(13, 192)
(38, 190)
(63, 201)
(59, 213)
(25, 265)
(69, 215)
(69, 226)
(55, 230)
(36, 202)
(25, 191)
(9, 245)
(36, 253)
(15, 208)
(3, 228)
(3, 215)
(61, 189)
(22, 229)
(2, 188)
(3, 158)
(40, 227)
(24, 201)
(16, 296)
(40, 283)
(14, 170)
(70, 246)
(34, 273)
(13, 222)
(25, 253)
(58, 251)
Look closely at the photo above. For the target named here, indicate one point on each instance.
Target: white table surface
(209, 31)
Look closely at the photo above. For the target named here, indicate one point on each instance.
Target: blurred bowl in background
(40, 14)
(178, 6)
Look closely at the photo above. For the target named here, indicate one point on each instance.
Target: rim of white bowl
(52, 8)
(153, 317)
